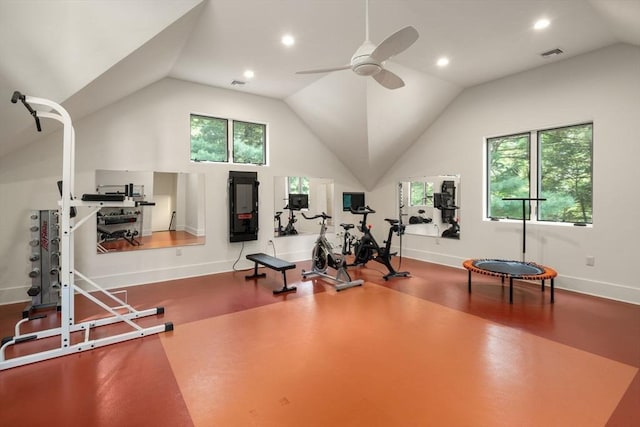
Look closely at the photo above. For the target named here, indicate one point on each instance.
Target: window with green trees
(559, 168)
(249, 143)
(298, 185)
(210, 137)
(421, 193)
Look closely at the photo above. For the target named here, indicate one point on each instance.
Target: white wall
(149, 130)
(604, 87)
(152, 128)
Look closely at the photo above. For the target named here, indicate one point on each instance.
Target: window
(297, 185)
(210, 138)
(558, 168)
(508, 169)
(249, 143)
(566, 164)
(421, 193)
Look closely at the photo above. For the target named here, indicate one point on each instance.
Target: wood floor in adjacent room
(417, 351)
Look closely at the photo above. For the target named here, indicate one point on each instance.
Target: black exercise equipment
(420, 218)
(243, 206)
(367, 249)
(274, 264)
(445, 202)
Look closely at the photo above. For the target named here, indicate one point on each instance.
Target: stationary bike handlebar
(323, 215)
(361, 210)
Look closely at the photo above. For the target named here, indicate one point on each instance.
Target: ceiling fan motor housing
(367, 68)
(362, 63)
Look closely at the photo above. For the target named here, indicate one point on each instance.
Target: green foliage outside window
(508, 159)
(564, 172)
(567, 165)
(249, 143)
(208, 139)
(421, 193)
(298, 184)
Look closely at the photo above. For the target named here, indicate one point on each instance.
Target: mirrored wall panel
(294, 195)
(429, 205)
(170, 212)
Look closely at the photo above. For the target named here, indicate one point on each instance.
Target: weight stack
(45, 261)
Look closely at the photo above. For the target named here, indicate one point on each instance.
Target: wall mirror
(429, 205)
(174, 215)
(296, 194)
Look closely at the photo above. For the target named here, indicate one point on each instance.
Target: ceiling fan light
(367, 69)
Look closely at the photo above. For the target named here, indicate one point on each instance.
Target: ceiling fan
(369, 59)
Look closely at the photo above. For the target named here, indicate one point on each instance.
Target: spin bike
(367, 249)
(289, 229)
(323, 256)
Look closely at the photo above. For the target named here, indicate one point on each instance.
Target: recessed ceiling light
(288, 40)
(541, 24)
(442, 62)
(249, 74)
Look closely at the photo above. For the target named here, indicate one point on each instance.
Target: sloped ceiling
(87, 54)
(83, 54)
(366, 125)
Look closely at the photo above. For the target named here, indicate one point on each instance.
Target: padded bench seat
(274, 264)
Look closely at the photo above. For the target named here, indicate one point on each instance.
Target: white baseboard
(14, 295)
(607, 290)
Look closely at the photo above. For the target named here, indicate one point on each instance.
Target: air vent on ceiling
(552, 52)
(237, 83)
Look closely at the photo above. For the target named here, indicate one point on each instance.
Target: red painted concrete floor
(410, 351)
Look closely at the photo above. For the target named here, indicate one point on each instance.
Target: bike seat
(347, 226)
(392, 221)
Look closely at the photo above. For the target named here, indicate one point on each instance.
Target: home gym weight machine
(75, 337)
(367, 249)
(323, 256)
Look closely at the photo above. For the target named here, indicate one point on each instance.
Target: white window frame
(230, 130)
(534, 183)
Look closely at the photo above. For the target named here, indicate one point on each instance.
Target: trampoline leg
(510, 290)
(542, 287)
(469, 281)
(552, 301)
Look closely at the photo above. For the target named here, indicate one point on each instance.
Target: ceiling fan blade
(395, 43)
(325, 70)
(388, 79)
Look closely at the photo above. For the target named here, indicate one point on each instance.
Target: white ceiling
(88, 54)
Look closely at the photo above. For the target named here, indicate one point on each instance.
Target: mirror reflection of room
(296, 194)
(169, 211)
(429, 205)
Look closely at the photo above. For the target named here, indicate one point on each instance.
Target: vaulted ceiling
(88, 54)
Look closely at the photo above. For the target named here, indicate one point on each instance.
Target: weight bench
(274, 264)
(119, 234)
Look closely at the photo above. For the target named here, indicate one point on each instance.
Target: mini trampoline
(511, 269)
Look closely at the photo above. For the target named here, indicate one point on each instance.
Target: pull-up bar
(18, 96)
(524, 219)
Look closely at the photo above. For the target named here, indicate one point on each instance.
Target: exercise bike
(323, 256)
(289, 229)
(367, 249)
